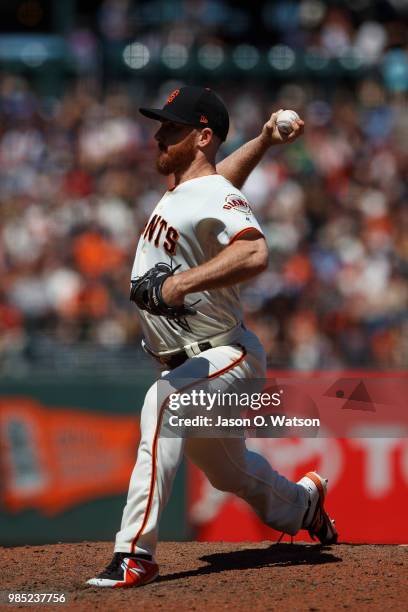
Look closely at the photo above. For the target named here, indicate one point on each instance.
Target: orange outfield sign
(361, 446)
(54, 458)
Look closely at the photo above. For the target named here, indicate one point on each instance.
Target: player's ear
(206, 135)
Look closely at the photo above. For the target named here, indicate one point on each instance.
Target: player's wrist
(266, 139)
(172, 290)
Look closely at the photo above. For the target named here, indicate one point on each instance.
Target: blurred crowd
(334, 26)
(355, 32)
(78, 182)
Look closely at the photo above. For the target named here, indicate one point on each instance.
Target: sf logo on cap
(172, 96)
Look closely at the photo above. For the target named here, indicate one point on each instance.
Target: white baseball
(284, 121)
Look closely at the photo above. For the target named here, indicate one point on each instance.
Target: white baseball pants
(228, 464)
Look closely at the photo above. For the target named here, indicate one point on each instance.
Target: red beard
(177, 158)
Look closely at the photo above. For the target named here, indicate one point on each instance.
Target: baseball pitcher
(201, 241)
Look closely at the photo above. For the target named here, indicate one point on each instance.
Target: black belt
(176, 360)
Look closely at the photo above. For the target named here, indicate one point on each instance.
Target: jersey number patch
(158, 227)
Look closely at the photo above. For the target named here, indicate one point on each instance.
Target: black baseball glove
(146, 292)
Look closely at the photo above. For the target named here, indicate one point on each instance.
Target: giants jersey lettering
(190, 225)
(154, 229)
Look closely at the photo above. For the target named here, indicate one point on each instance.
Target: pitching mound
(200, 576)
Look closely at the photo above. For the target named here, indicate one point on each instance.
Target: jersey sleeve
(224, 219)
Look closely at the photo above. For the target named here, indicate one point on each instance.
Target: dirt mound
(217, 575)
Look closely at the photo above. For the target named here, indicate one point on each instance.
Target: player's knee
(225, 483)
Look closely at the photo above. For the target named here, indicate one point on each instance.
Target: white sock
(313, 492)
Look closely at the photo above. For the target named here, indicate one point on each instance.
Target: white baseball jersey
(190, 225)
